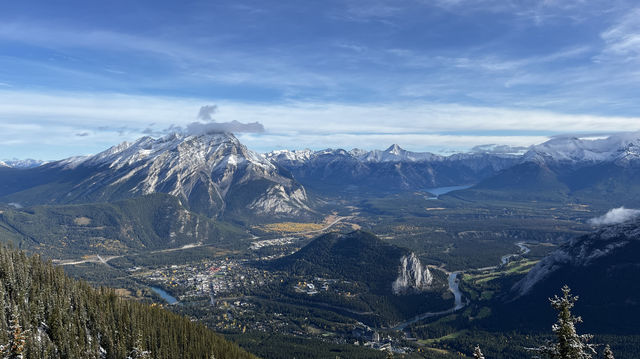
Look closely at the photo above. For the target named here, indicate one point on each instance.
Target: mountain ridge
(593, 265)
(205, 171)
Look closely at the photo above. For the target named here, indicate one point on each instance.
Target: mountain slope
(364, 258)
(358, 256)
(150, 222)
(387, 283)
(391, 170)
(50, 315)
(601, 267)
(598, 170)
(210, 173)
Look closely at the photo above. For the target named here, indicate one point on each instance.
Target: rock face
(412, 276)
(601, 267)
(210, 173)
(602, 248)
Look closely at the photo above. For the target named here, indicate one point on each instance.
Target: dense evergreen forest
(45, 314)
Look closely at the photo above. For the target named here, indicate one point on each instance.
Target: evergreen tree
(608, 354)
(70, 319)
(477, 353)
(568, 345)
(138, 351)
(17, 338)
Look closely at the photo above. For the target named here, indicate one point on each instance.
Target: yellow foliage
(291, 227)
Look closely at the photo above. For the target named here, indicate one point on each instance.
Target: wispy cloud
(623, 39)
(57, 37)
(367, 70)
(112, 118)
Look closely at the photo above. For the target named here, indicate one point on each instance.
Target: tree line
(46, 314)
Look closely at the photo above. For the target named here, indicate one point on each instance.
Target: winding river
(454, 287)
(523, 251)
(166, 296)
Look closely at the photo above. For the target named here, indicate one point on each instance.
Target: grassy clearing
(432, 341)
(290, 227)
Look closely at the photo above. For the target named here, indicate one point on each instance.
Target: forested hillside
(45, 314)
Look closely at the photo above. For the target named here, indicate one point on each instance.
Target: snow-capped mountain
(393, 169)
(26, 163)
(392, 154)
(395, 154)
(604, 168)
(624, 147)
(210, 173)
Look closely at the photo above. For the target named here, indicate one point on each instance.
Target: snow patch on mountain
(26, 163)
(397, 154)
(199, 168)
(412, 276)
(590, 149)
(286, 155)
(392, 154)
(278, 201)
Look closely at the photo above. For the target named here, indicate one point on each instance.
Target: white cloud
(615, 216)
(39, 118)
(197, 128)
(206, 112)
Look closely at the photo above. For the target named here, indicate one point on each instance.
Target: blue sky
(437, 75)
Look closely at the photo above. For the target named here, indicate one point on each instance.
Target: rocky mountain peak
(412, 276)
(395, 150)
(207, 170)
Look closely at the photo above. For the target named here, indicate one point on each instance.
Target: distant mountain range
(602, 169)
(391, 170)
(214, 174)
(26, 163)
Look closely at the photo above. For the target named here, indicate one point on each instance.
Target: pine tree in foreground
(477, 353)
(568, 345)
